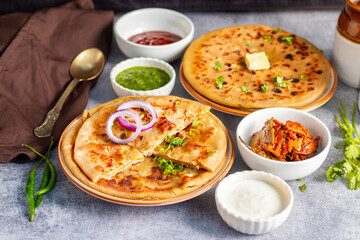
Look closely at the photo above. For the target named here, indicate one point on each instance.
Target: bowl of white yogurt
(254, 202)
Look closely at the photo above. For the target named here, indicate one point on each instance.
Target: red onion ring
(137, 104)
(122, 113)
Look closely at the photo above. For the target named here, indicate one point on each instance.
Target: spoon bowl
(87, 65)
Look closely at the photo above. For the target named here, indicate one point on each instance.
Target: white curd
(253, 198)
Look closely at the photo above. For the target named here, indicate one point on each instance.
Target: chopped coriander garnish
(336, 146)
(303, 77)
(319, 51)
(264, 87)
(177, 102)
(279, 82)
(249, 43)
(219, 82)
(267, 56)
(195, 123)
(170, 143)
(276, 30)
(300, 179)
(303, 187)
(174, 141)
(126, 152)
(267, 38)
(218, 66)
(244, 89)
(211, 152)
(234, 72)
(142, 115)
(287, 40)
(168, 166)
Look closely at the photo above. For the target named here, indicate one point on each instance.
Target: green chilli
(47, 183)
(30, 186)
(52, 179)
(44, 183)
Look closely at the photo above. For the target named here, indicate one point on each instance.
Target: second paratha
(221, 53)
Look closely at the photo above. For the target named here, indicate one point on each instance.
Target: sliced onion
(137, 104)
(122, 113)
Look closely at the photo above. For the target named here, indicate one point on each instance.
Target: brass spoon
(87, 65)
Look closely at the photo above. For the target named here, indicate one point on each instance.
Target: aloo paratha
(220, 54)
(144, 179)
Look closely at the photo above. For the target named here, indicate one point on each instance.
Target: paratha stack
(220, 54)
(132, 170)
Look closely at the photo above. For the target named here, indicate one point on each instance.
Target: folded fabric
(36, 52)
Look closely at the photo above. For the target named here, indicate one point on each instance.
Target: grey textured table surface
(324, 211)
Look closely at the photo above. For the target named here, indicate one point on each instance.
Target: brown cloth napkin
(36, 52)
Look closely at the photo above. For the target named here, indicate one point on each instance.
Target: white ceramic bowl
(149, 62)
(153, 19)
(286, 170)
(252, 225)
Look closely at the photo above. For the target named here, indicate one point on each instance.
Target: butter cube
(257, 61)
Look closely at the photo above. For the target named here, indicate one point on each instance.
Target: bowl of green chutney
(142, 76)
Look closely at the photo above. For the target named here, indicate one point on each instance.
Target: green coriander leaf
(278, 79)
(303, 187)
(276, 30)
(219, 82)
(218, 66)
(244, 89)
(177, 142)
(168, 166)
(300, 179)
(303, 77)
(336, 146)
(195, 123)
(177, 102)
(347, 167)
(287, 40)
(171, 142)
(249, 43)
(351, 181)
(126, 152)
(142, 115)
(267, 38)
(352, 151)
(280, 82)
(319, 51)
(263, 87)
(331, 174)
(211, 152)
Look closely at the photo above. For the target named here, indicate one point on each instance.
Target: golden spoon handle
(46, 127)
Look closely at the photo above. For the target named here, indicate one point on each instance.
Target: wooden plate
(70, 174)
(321, 100)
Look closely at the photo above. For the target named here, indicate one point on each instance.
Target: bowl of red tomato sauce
(154, 32)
